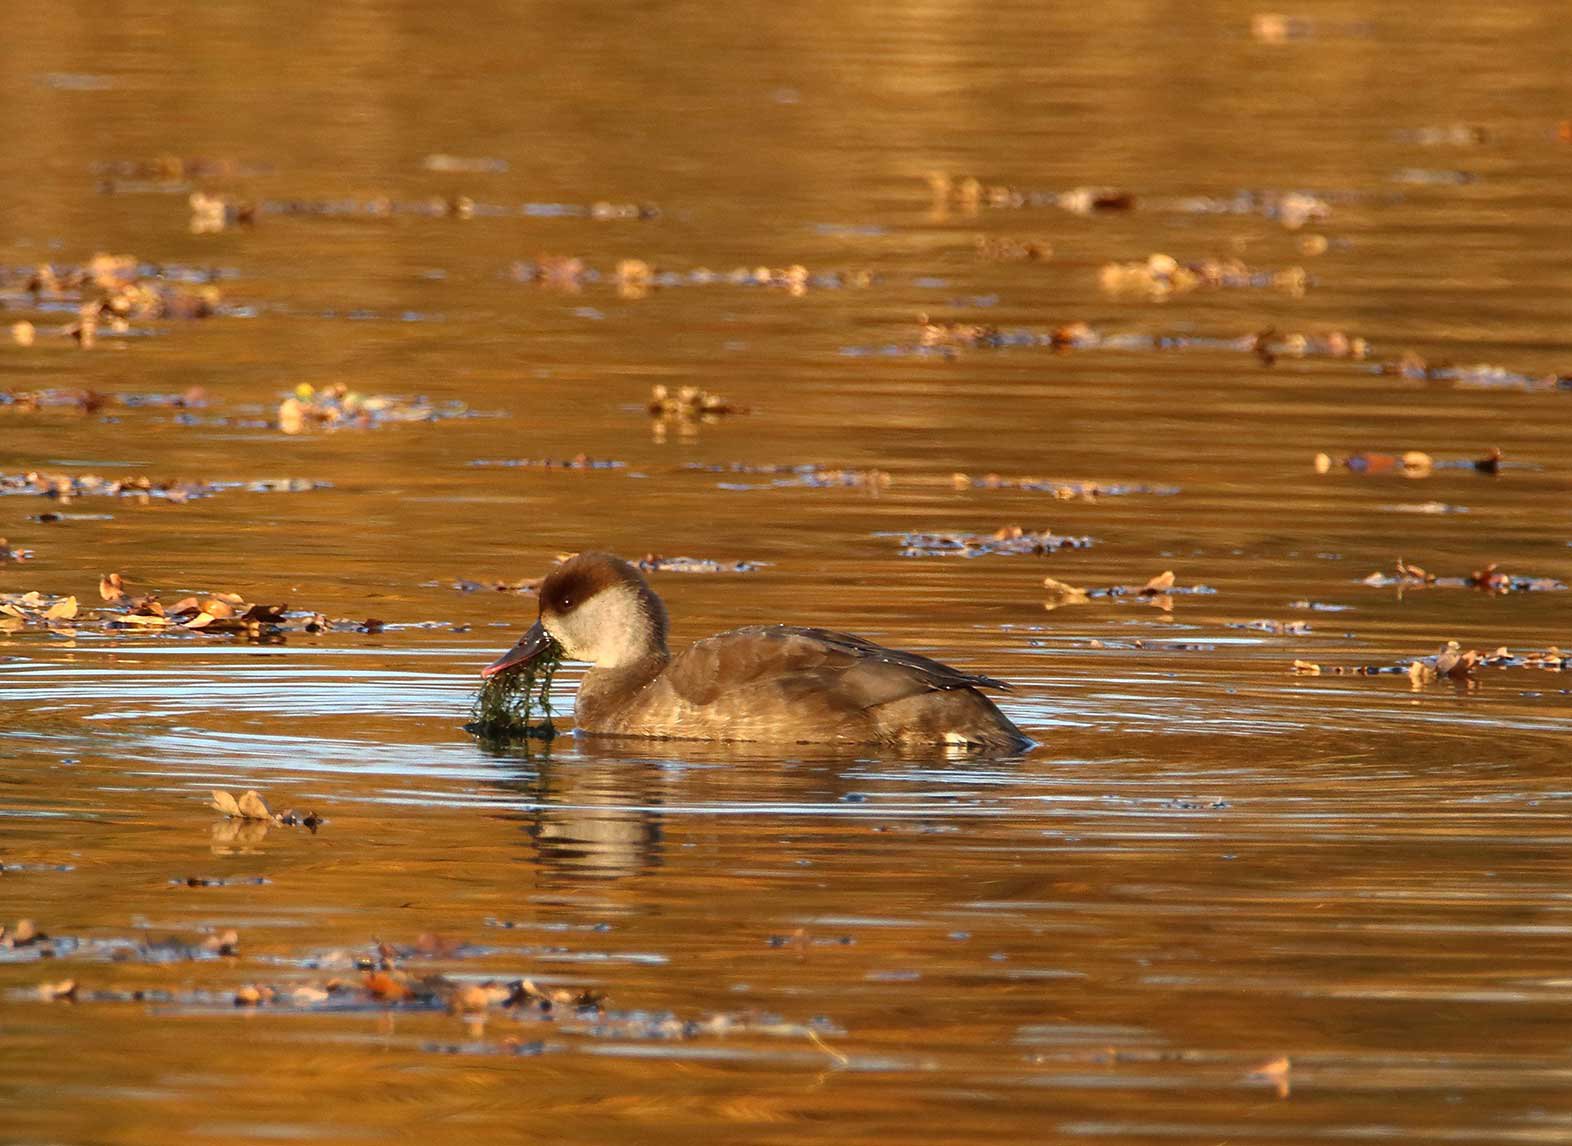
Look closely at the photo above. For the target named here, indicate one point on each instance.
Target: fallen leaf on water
(1061, 594)
(388, 987)
(1010, 249)
(253, 807)
(1159, 592)
(654, 563)
(252, 995)
(337, 407)
(65, 487)
(1161, 583)
(1275, 1072)
(1009, 540)
(1489, 579)
(576, 462)
(225, 803)
(1451, 662)
(1062, 490)
(1161, 276)
(1276, 628)
(53, 992)
(62, 610)
(224, 943)
(689, 403)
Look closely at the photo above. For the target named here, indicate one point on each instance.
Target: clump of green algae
(508, 700)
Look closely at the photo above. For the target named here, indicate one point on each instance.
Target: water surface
(1220, 902)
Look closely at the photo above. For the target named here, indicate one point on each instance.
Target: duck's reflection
(588, 816)
(593, 808)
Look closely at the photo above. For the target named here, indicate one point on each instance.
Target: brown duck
(767, 683)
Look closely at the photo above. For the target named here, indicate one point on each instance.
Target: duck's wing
(798, 662)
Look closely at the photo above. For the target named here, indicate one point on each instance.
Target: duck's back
(783, 684)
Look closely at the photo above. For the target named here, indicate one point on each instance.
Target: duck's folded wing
(845, 671)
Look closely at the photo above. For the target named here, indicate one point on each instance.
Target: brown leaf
(265, 614)
(53, 992)
(253, 807)
(225, 803)
(62, 610)
(1060, 593)
(112, 588)
(1276, 1072)
(471, 998)
(1161, 583)
(384, 987)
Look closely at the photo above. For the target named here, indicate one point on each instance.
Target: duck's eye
(564, 604)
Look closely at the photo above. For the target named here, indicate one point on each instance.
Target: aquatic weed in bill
(507, 700)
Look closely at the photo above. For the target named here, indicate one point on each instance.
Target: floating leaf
(1276, 1073)
(253, 807)
(1009, 540)
(64, 989)
(1060, 594)
(62, 610)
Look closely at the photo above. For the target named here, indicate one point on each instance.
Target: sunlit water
(1219, 902)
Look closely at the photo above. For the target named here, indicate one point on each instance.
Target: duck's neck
(604, 690)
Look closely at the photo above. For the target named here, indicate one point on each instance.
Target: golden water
(1210, 864)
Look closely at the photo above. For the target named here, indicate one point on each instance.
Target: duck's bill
(530, 646)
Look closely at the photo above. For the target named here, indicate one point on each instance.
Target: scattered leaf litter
(1158, 592)
(1062, 490)
(806, 476)
(1489, 579)
(1268, 345)
(576, 462)
(690, 403)
(106, 294)
(1161, 276)
(1416, 367)
(967, 194)
(1450, 662)
(1009, 540)
(65, 488)
(654, 563)
(1013, 249)
(1273, 627)
(1411, 463)
(207, 614)
(84, 401)
(634, 278)
(250, 807)
(337, 407)
(524, 585)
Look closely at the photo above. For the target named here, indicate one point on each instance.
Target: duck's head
(597, 608)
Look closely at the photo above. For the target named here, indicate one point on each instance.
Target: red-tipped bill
(530, 646)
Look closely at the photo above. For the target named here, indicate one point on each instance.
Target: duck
(760, 683)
